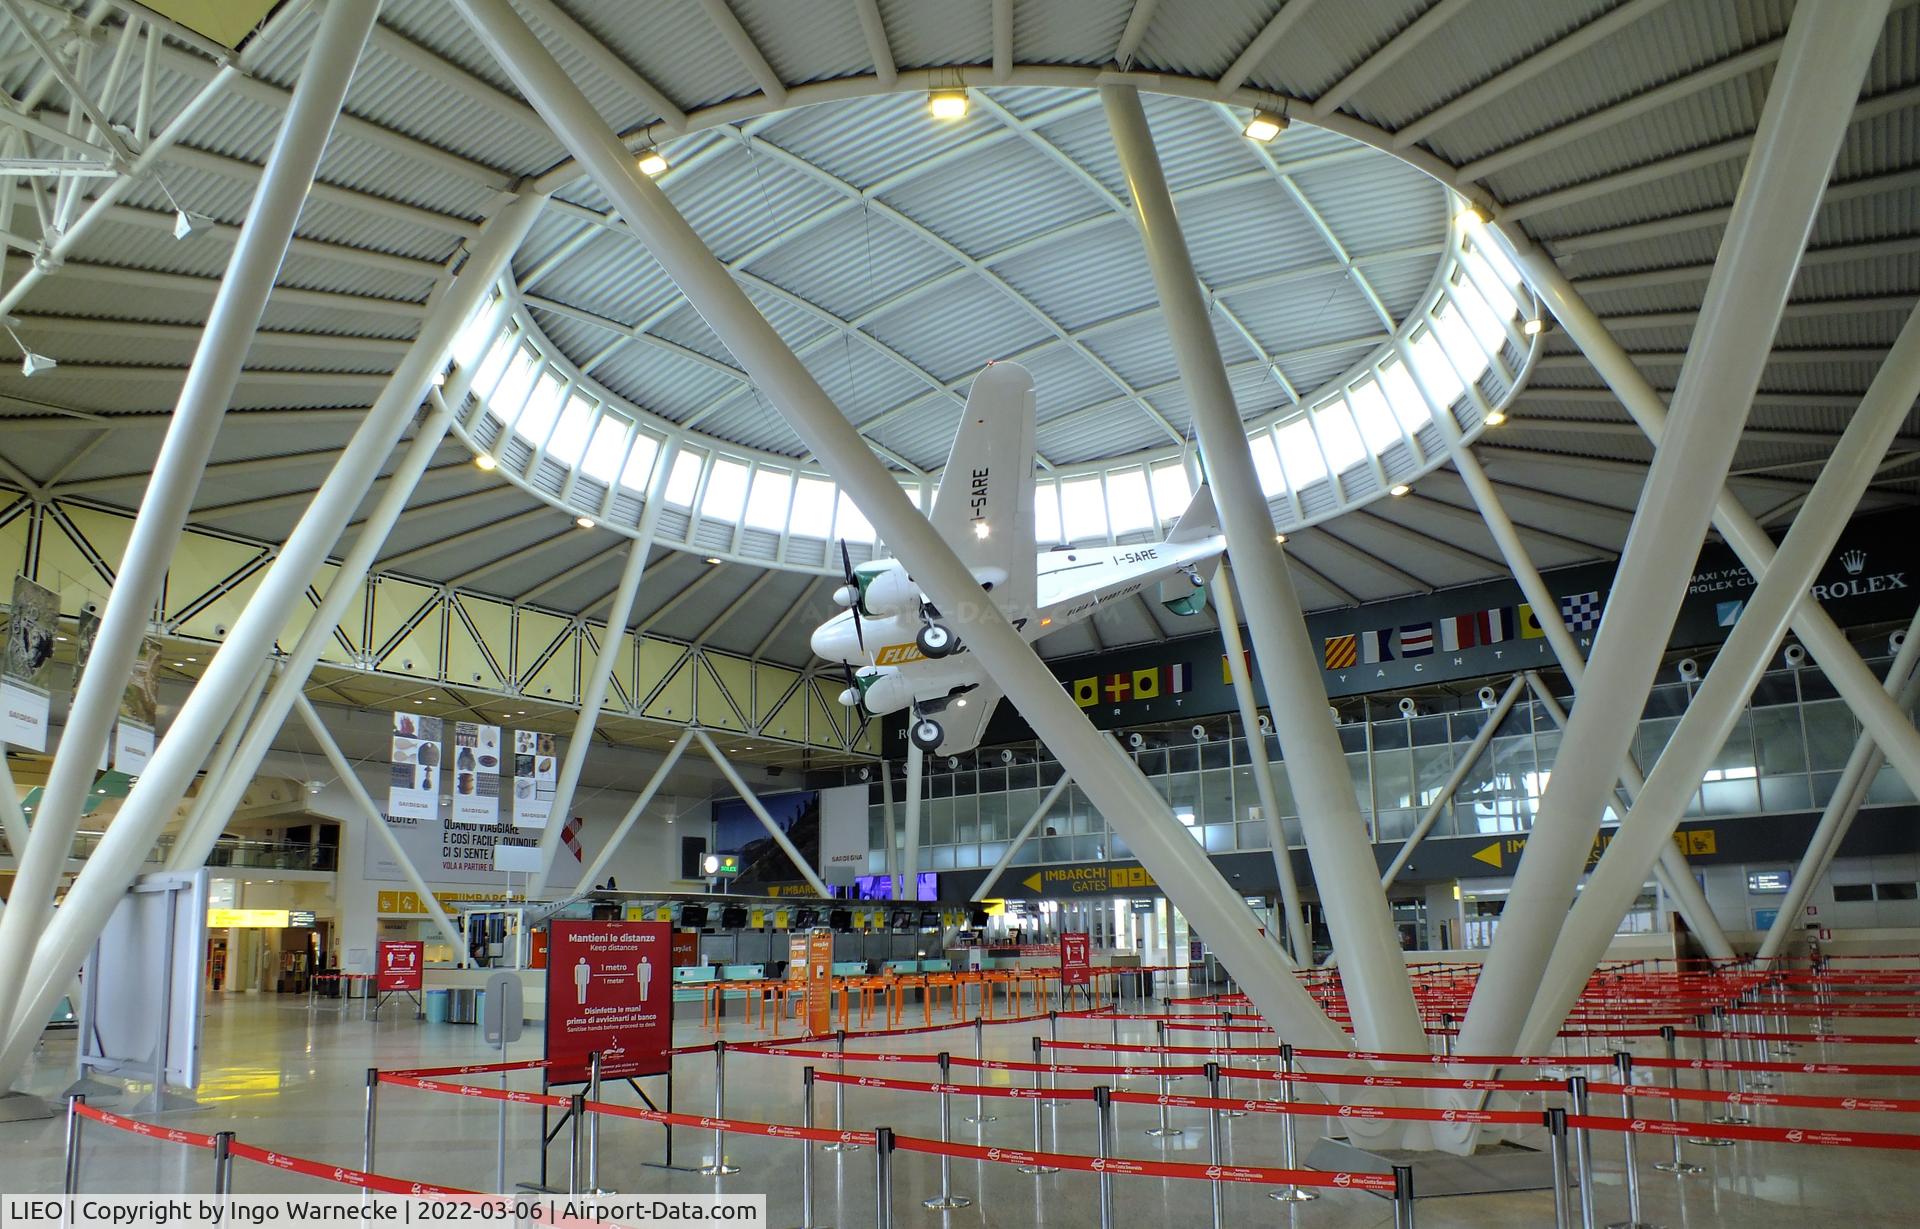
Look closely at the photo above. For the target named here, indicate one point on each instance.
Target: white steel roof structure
(898, 253)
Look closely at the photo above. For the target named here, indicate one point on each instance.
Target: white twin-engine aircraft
(897, 652)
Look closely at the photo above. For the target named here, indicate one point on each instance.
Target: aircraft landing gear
(926, 733)
(933, 640)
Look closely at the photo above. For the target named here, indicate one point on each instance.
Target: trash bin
(463, 1006)
(437, 1006)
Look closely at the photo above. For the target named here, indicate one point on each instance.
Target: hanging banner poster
(399, 966)
(414, 791)
(24, 700)
(609, 991)
(476, 773)
(535, 770)
(843, 833)
(819, 981)
(139, 706)
(1076, 959)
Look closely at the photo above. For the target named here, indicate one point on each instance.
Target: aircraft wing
(965, 726)
(985, 506)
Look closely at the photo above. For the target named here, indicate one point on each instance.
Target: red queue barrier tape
(1396, 1081)
(1382, 1183)
(1395, 1113)
(1844, 1039)
(1368, 1056)
(530, 1064)
(1884, 1105)
(733, 1126)
(1768, 1135)
(133, 1126)
(969, 1090)
(340, 1173)
(474, 1090)
(1714, 1064)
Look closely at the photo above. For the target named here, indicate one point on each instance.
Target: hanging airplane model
(890, 639)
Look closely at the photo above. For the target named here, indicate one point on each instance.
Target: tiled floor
(291, 1079)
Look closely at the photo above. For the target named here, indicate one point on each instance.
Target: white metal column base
(947, 1203)
(1293, 1194)
(721, 1170)
(1037, 1170)
(1164, 1132)
(1708, 1141)
(1633, 1224)
(22, 1107)
(1681, 1169)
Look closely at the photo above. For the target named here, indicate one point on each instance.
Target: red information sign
(399, 966)
(686, 948)
(819, 981)
(1076, 959)
(609, 989)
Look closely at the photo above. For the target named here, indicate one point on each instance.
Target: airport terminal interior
(957, 613)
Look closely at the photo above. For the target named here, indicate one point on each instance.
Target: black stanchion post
(1403, 1197)
(1556, 1120)
(1677, 1165)
(1165, 1130)
(719, 1168)
(1623, 1064)
(979, 1115)
(1213, 1138)
(1103, 1148)
(223, 1162)
(1293, 1192)
(1582, 1149)
(1036, 1168)
(883, 1177)
(373, 1087)
(946, 1200)
(71, 1184)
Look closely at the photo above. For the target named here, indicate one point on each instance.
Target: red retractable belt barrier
(1383, 1183)
(1394, 1081)
(1367, 1056)
(1715, 1064)
(1844, 1039)
(1886, 1105)
(969, 1090)
(1396, 1113)
(1768, 1135)
(133, 1126)
(340, 1173)
(733, 1126)
(474, 1090)
(473, 1069)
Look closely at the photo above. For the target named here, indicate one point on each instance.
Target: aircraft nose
(826, 640)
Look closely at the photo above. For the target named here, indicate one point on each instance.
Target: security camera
(1333, 713)
(953, 761)
(314, 787)
(1689, 669)
(1407, 707)
(1488, 697)
(1006, 757)
(476, 676)
(1136, 741)
(406, 663)
(220, 629)
(865, 774)
(1266, 723)
(91, 607)
(1897, 641)
(1795, 655)
(1199, 733)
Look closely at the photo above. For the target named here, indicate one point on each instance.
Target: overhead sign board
(248, 919)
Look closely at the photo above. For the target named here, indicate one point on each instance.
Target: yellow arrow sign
(1490, 855)
(1032, 882)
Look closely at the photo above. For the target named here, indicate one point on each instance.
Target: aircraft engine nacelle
(890, 593)
(887, 694)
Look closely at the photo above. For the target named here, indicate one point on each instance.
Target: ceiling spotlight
(948, 104)
(585, 522)
(486, 462)
(1264, 126)
(1495, 417)
(440, 378)
(30, 362)
(980, 530)
(1398, 489)
(652, 163)
(187, 224)
(1472, 215)
(1536, 325)
(1281, 538)
(713, 558)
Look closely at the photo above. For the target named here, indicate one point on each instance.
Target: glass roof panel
(1337, 435)
(1127, 504)
(850, 523)
(767, 499)
(570, 433)
(684, 479)
(812, 508)
(1266, 465)
(1300, 453)
(1083, 512)
(1171, 490)
(638, 471)
(603, 455)
(726, 492)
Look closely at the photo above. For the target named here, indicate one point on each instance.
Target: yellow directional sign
(1091, 880)
(1490, 855)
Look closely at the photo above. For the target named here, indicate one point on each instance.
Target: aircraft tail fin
(1200, 520)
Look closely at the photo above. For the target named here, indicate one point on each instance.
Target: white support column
(594, 694)
(1546, 607)
(1807, 109)
(916, 786)
(1475, 749)
(1723, 695)
(632, 816)
(12, 820)
(146, 809)
(1299, 942)
(1026, 831)
(376, 823)
(1674, 875)
(210, 380)
(1373, 971)
(767, 821)
(1114, 783)
(1863, 765)
(886, 821)
(205, 821)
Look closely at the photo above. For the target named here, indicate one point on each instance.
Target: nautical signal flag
(1480, 627)
(1530, 628)
(1176, 678)
(1246, 660)
(1341, 651)
(1117, 687)
(1376, 646)
(1416, 640)
(1146, 683)
(1086, 692)
(1581, 611)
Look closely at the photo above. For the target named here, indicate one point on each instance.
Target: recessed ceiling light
(1398, 489)
(1264, 126)
(713, 558)
(1280, 538)
(980, 530)
(948, 104)
(1495, 417)
(190, 659)
(585, 522)
(652, 163)
(486, 462)
(1536, 325)
(1472, 215)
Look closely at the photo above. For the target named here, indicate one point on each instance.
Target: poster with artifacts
(535, 770)
(476, 773)
(414, 790)
(139, 707)
(25, 703)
